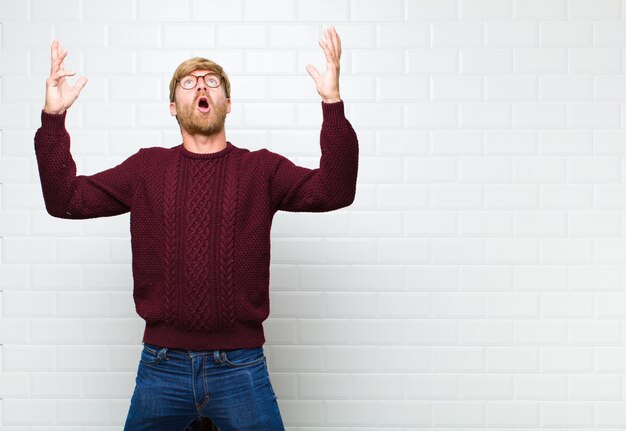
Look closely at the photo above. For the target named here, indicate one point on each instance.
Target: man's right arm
(67, 195)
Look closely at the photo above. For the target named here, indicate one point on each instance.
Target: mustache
(195, 99)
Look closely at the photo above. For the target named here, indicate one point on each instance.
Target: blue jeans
(231, 387)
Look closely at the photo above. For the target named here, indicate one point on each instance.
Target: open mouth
(203, 104)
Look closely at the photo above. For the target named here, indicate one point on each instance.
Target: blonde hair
(198, 63)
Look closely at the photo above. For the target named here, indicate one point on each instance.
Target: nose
(201, 86)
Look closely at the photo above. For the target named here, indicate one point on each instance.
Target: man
(200, 219)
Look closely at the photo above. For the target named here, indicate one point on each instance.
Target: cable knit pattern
(200, 224)
(169, 220)
(227, 243)
(199, 203)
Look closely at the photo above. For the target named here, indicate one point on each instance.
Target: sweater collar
(185, 152)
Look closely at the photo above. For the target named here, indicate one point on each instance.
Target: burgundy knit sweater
(200, 224)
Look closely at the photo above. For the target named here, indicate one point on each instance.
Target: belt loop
(163, 354)
(216, 356)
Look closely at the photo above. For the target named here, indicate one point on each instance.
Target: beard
(201, 123)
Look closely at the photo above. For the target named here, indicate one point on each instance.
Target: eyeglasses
(189, 82)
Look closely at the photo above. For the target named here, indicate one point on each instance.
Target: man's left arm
(333, 184)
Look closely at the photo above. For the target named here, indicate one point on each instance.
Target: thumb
(313, 72)
(80, 84)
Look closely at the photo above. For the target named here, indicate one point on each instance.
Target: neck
(204, 144)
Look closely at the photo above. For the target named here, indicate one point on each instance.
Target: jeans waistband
(164, 351)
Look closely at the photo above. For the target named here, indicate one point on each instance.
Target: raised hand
(59, 94)
(327, 83)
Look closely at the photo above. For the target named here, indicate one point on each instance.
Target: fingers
(332, 46)
(330, 57)
(53, 50)
(58, 54)
(64, 73)
(337, 42)
(56, 77)
(54, 55)
(329, 39)
(61, 54)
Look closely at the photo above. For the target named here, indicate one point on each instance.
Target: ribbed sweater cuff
(53, 124)
(333, 113)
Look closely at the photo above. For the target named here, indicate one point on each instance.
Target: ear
(173, 109)
(228, 105)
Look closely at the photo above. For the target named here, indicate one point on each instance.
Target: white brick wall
(476, 282)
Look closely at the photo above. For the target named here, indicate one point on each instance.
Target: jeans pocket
(243, 357)
(153, 355)
(269, 382)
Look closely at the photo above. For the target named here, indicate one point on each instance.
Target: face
(201, 110)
